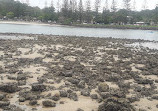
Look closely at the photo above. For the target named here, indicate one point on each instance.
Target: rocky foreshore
(61, 73)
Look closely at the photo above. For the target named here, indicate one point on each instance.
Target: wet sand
(77, 74)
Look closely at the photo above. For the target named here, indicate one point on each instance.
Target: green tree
(10, 15)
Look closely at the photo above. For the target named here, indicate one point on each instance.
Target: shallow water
(15, 37)
(150, 45)
(78, 31)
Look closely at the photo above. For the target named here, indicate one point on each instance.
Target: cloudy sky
(139, 3)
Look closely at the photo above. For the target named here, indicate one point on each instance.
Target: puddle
(150, 45)
(16, 37)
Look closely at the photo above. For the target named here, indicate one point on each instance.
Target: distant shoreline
(84, 25)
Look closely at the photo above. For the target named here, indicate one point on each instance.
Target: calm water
(77, 31)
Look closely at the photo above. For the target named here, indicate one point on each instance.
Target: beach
(28, 23)
(69, 73)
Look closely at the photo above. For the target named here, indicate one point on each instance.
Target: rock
(73, 80)
(105, 95)
(144, 81)
(156, 81)
(133, 99)
(56, 97)
(34, 109)
(68, 74)
(9, 87)
(4, 103)
(155, 97)
(61, 102)
(12, 78)
(13, 71)
(28, 95)
(63, 93)
(22, 82)
(103, 87)
(85, 93)
(109, 107)
(115, 104)
(117, 93)
(12, 108)
(48, 56)
(48, 103)
(79, 109)
(41, 80)
(1, 70)
(157, 105)
(33, 102)
(38, 60)
(81, 84)
(94, 96)
(69, 91)
(2, 96)
(38, 87)
(21, 77)
(21, 99)
(73, 96)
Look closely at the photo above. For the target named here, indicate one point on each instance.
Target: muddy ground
(57, 73)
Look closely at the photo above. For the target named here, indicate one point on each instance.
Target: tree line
(73, 12)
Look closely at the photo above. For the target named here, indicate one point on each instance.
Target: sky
(139, 3)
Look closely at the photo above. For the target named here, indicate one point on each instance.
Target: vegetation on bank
(143, 27)
(72, 13)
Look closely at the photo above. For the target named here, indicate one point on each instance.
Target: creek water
(78, 31)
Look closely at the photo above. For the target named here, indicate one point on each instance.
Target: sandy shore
(28, 23)
(56, 73)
